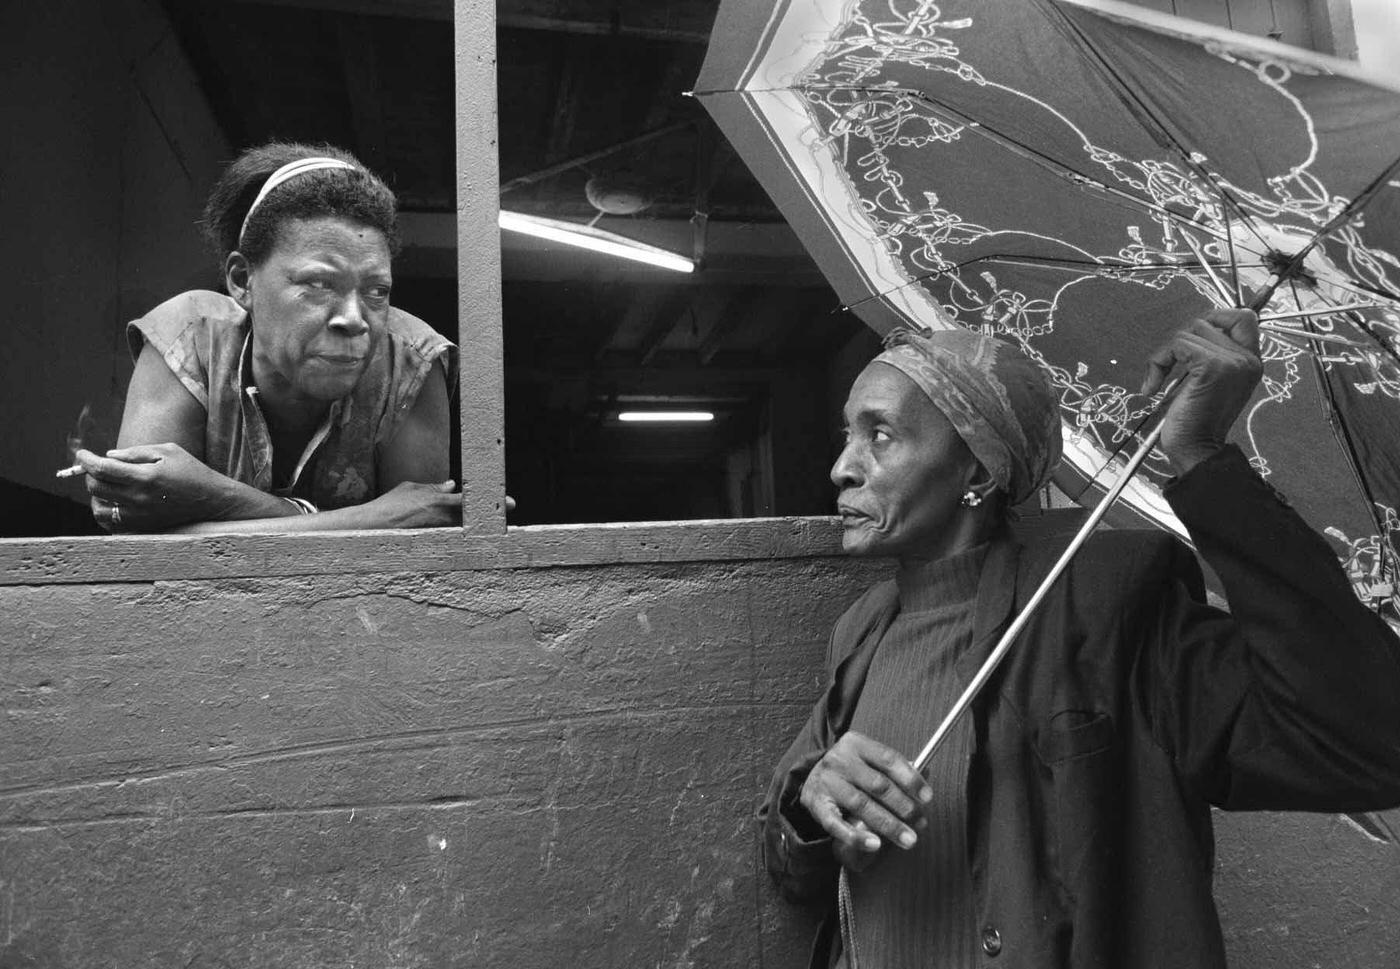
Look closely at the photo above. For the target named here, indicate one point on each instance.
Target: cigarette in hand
(70, 472)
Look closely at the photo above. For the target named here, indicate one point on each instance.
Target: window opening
(593, 130)
(121, 169)
(597, 134)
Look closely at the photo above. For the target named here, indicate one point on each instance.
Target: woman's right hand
(151, 487)
(416, 505)
(864, 794)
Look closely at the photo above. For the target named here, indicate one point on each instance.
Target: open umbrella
(1081, 177)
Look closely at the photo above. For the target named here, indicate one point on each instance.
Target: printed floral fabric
(999, 401)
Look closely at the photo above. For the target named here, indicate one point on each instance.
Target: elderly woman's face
(902, 471)
(319, 303)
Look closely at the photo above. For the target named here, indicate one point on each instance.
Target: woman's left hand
(1217, 360)
(150, 486)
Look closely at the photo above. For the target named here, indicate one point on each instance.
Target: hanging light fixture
(666, 416)
(596, 240)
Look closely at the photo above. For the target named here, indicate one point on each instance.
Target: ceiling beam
(556, 205)
(686, 21)
(1333, 27)
(645, 305)
(638, 27)
(592, 156)
(411, 9)
(703, 304)
(675, 82)
(523, 265)
(737, 253)
(683, 21)
(661, 381)
(677, 304)
(704, 181)
(359, 64)
(566, 102)
(735, 314)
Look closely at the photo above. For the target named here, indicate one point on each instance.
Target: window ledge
(154, 558)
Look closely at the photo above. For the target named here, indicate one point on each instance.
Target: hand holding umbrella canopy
(1083, 177)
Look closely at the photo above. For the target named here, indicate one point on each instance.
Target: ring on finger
(116, 514)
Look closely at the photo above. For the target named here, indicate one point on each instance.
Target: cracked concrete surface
(523, 767)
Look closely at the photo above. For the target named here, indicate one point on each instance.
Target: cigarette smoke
(82, 430)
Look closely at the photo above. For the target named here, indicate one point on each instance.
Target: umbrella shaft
(1318, 311)
(1003, 645)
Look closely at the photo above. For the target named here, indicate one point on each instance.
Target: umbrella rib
(1360, 287)
(1113, 455)
(1351, 316)
(1343, 436)
(1132, 435)
(1210, 271)
(1331, 310)
(1287, 334)
(1234, 263)
(1355, 287)
(1054, 165)
(1049, 262)
(1108, 267)
(1148, 118)
(1347, 213)
(1283, 331)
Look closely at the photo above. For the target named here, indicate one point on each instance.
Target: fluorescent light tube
(665, 416)
(597, 240)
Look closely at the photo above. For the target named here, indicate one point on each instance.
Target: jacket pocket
(1085, 795)
(1074, 733)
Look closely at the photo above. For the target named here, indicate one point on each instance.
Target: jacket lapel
(996, 596)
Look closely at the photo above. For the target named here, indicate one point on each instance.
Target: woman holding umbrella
(301, 399)
(1066, 820)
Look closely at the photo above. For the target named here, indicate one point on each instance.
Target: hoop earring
(970, 499)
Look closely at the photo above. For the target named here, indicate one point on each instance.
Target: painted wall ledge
(153, 558)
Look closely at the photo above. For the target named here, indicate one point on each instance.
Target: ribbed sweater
(913, 908)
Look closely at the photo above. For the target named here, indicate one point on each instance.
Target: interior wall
(1290, 21)
(526, 768)
(109, 152)
(803, 443)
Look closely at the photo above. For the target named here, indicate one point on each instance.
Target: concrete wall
(467, 768)
(108, 153)
(424, 750)
(1321, 25)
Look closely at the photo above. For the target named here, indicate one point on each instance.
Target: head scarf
(996, 397)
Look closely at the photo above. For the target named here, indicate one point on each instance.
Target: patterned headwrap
(997, 399)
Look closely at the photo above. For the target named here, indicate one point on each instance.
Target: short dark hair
(357, 195)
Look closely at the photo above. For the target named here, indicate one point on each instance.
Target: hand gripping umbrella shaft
(1003, 645)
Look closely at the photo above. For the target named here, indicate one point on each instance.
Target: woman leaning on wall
(300, 399)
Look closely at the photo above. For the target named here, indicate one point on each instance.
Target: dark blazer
(1125, 710)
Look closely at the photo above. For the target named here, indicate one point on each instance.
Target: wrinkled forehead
(882, 391)
(333, 239)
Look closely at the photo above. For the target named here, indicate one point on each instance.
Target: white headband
(290, 170)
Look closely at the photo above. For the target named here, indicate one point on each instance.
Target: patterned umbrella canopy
(1082, 177)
